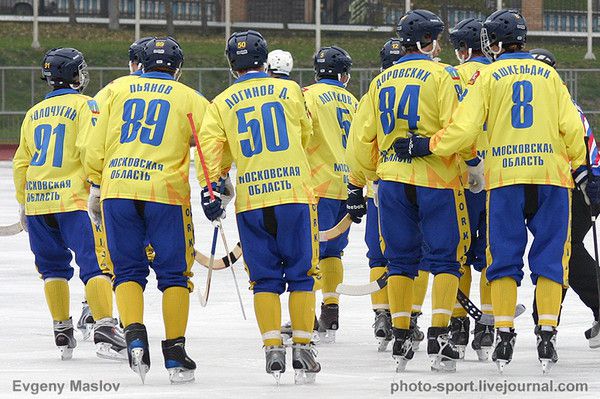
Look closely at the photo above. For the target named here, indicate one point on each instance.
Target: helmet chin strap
(462, 59)
(347, 80)
(430, 53)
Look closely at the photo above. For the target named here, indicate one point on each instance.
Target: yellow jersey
(416, 95)
(533, 127)
(331, 108)
(262, 125)
(140, 147)
(106, 91)
(47, 171)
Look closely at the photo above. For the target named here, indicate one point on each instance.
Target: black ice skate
(402, 351)
(286, 333)
(275, 358)
(382, 328)
(138, 352)
(64, 339)
(459, 333)
(546, 348)
(442, 352)
(304, 361)
(483, 340)
(177, 362)
(86, 322)
(109, 340)
(328, 322)
(505, 345)
(417, 334)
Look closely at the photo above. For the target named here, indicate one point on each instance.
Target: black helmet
(506, 27)
(419, 26)
(541, 54)
(391, 52)
(330, 62)
(246, 50)
(137, 48)
(162, 54)
(467, 34)
(64, 67)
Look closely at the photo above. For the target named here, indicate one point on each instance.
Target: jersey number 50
(272, 114)
(155, 115)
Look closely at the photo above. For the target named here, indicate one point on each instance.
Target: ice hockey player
(51, 190)
(534, 133)
(262, 125)
(280, 64)
(582, 267)
(416, 199)
(465, 38)
(142, 179)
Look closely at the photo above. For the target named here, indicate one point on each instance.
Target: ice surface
(228, 350)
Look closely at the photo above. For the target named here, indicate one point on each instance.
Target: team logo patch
(93, 105)
(160, 44)
(241, 45)
(453, 73)
(474, 78)
(395, 46)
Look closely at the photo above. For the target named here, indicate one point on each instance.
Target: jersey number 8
(155, 115)
(522, 111)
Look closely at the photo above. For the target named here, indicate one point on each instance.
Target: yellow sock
(504, 300)
(485, 292)
(379, 299)
(130, 302)
(98, 292)
(332, 274)
(302, 314)
(176, 308)
(548, 295)
(267, 308)
(443, 299)
(420, 290)
(400, 290)
(57, 298)
(464, 284)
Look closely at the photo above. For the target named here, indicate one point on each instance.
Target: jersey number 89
(134, 111)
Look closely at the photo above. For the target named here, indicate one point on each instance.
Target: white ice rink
(228, 350)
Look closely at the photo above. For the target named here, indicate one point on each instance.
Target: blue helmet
(246, 50)
(467, 35)
(541, 54)
(162, 54)
(65, 67)
(504, 26)
(391, 52)
(419, 28)
(330, 62)
(137, 48)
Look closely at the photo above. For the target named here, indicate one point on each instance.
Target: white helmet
(280, 61)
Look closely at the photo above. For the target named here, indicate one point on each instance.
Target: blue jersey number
(155, 120)
(522, 110)
(274, 126)
(344, 124)
(408, 107)
(41, 139)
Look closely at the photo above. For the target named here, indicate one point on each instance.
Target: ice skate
(442, 352)
(177, 362)
(328, 322)
(483, 341)
(86, 322)
(503, 351)
(64, 339)
(402, 351)
(109, 340)
(382, 328)
(546, 348)
(459, 334)
(417, 335)
(137, 349)
(275, 357)
(304, 361)
(286, 333)
(593, 335)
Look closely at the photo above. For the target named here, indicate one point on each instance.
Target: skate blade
(277, 376)
(327, 337)
(501, 364)
(383, 344)
(137, 365)
(547, 365)
(415, 345)
(180, 375)
(66, 353)
(302, 377)
(401, 363)
(483, 353)
(461, 351)
(104, 350)
(86, 331)
(442, 364)
(594, 342)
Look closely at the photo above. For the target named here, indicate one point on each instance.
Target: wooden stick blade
(11, 230)
(336, 230)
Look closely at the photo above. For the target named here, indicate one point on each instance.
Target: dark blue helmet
(330, 62)
(504, 26)
(162, 54)
(137, 48)
(391, 52)
(467, 35)
(65, 67)
(246, 50)
(419, 26)
(541, 54)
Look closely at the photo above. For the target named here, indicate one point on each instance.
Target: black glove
(355, 204)
(213, 209)
(412, 147)
(592, 190)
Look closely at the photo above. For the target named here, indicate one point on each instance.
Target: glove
(376, 193)
(355, 204)
(476, 175)
(213, 209)
(94, 205)
(412, 147)
(23, 217)
(226, 190)
(591, 190)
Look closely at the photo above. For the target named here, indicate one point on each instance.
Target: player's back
(106, 91)
(332, 108)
